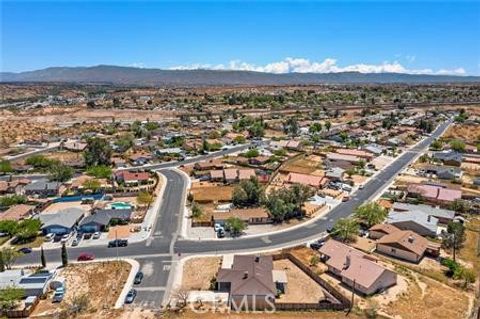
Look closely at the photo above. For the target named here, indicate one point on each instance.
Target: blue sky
(283, 36)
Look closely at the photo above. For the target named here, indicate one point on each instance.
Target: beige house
(359, 271)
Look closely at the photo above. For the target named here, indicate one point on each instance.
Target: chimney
(411, 239)
(245, 275)
(257, 259)
(347, 262)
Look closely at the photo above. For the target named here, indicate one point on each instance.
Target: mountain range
(130, 76)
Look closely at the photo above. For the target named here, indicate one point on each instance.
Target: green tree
(345, 229)
(286, 203)
(457, 145)
(64, 255)
(328, 125)
(98, 152)
(370, 214)
(436, 145)
(455, 235)
(92, 184)
(9, 256)
(461, 206)
(5, 166)
(7, 201)
(197, 211)
(10, 296)
(9, 227)
(249, 193)
(100, 171)
(42, 258)
(2, 264)
(315, 128)
(145, 198)
(239, 139)
(251, 153)
(124, 143)
(60, 173)
(235, 225)
(28, 229)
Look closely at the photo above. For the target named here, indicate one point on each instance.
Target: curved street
(164, 246)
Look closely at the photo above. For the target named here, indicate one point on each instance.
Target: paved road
(159, 249)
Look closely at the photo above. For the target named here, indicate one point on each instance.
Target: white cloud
(139, 65)
(329, 65)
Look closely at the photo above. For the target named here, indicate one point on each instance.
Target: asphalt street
(157, 252)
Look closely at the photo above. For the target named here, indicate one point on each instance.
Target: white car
(217, 227)
(96, 235)
(65, 238)
(49, 237)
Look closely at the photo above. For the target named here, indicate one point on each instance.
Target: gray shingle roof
(432, 211)
(65, 217)
(418, 217)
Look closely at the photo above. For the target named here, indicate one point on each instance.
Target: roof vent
(245, 275)
(257, 259)
(411, 239)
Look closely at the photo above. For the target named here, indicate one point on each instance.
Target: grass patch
(37, 242)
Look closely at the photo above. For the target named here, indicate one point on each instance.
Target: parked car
(221, 233)
(96, 235)
(75, 242)
(85, 257)
(217, 227)
(65, 238)
(118, 243)
(59, 294)
(345, 198)
(131, 296)
(49, 237)
(138, 278)
(25, 250)
(87, 236)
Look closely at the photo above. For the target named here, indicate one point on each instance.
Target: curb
(129, 283)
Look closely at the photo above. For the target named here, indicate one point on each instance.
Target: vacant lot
(102, 282)
(468, 133)
(204, 194)
(426, 298)
(306, 256)
(304, 165)
(198, 272)
(470, 251)
(277, 315)
(300, 287)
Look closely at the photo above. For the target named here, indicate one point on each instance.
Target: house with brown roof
(356, 269)
(406, 245)
(251, 282)
(434, 194)
(380, 230)
(17, 212)
(133, 178)
(306, 179)
(248, 215)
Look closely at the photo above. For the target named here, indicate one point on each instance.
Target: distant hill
(156, 77)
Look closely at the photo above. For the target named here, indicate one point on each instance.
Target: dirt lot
(300, 287)
(305, 255)
(55, 207)
(470, 251)
(427, 299)
(204, 193)
(198, 272)
(466, 132)
(304, 165)
(123, 231)
(101, 281)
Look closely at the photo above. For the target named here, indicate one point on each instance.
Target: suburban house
(417, 221)
(251, 282)
(249, 215)
(74, 146)
(451, 158)
(207, 166)
(434, 193)
(306, 179)
(443, 172)
(406, 245)
(61, 223)
(133, 178)
(335, 174)
(43, 188)
(444, 216)
(335, 157)
(359, 153)
(33, 284)
(356, 269)
(379, 230)
(102, 218)
(17, 212)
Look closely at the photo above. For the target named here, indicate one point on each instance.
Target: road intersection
(160, 253)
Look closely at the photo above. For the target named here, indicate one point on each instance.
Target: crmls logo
(244, 304)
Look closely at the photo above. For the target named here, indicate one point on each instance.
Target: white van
(49, 237)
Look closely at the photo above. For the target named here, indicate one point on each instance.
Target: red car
(85, 257)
